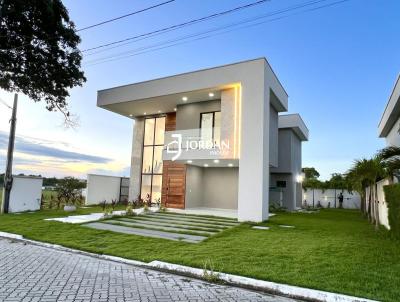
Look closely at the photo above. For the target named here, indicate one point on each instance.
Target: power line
(203, 35)
(180, 25)
(124, 16)
(103, 22)
(5, 103)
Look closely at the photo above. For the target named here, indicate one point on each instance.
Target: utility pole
(1, 7)
(8, 175)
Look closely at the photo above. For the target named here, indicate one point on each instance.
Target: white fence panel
(383, 209)
(102, 187)
(26, 193)
(327, 198)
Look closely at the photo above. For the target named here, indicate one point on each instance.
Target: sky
(338, 65)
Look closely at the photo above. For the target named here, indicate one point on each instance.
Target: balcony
(196, 144)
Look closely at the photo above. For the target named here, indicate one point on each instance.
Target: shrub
(69, 191)
(392, 196)
(276, 208)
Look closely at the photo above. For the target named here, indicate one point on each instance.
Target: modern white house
(389, 129)
(389, 125)
(213, 139)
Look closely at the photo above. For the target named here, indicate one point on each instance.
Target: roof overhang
(392, 111)
(164, 94)
(294, 122)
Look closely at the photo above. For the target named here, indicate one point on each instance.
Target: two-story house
(211, 139)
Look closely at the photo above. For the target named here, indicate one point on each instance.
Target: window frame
(153, 150)
(213, 122)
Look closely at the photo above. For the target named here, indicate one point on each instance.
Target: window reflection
(149, 132)
(152, 163)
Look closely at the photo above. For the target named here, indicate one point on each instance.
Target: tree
(69, 190)
(390, 157)
(39, 53)
(365, 173)
(310, 172)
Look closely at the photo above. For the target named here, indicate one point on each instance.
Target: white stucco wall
(26, 194)
(393, 137)
(211, 187)
(102, 187)
(383, 209)
(351, 200)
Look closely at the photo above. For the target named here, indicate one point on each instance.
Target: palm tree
(391, 160)
(365, 173)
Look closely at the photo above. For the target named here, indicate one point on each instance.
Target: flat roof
(163, 94)
(294, 122)
(392, 111)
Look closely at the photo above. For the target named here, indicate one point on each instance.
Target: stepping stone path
(171, 226)
(260, 227)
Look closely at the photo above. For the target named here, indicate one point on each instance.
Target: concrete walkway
(32, 273)
(171, 226)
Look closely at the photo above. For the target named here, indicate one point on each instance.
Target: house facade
(389, 124)
(213, 138)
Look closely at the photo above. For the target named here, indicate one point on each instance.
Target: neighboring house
(285, 177)
(389, 125)
(389, 129)
(211, 138)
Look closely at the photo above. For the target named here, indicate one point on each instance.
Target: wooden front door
(173, 185)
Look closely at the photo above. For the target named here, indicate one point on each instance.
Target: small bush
(276, 208)
(392, 196)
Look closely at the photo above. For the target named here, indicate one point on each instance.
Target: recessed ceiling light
(184, 98)
(230, 165)
(205, 165)
(174, 109)
(144, 113)
(159, 111)
(189, 161)
(130, 115)
(216, 161)
(211, 94)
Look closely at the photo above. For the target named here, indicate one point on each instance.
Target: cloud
(36, 147)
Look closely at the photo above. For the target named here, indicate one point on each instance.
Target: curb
(239, 281)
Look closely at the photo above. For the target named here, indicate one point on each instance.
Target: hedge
(392, 196)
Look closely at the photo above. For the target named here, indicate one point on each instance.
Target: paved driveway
(32, 273)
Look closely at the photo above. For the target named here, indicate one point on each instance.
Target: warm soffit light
(230, 165)
(144, 113)
(189, 161)
(211, 94)
(216, 161)
(205, 165)
(184, 98)
(130, 115)
(174, 109)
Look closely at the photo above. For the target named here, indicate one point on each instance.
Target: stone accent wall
(136, 159)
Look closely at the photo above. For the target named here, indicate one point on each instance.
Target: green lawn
(334, 250)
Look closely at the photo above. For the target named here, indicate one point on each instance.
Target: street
(33, 273)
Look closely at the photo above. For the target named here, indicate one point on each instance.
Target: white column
(136, 158)
(254, 150)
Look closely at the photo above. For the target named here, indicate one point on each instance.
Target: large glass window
(210, 127)
(152, 164)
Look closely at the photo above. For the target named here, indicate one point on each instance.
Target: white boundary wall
(26, 193)
(383, 209)
(102, 187)
(351, 200)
